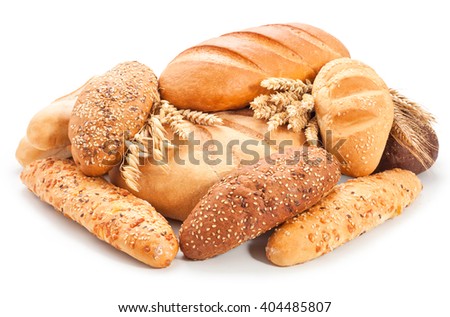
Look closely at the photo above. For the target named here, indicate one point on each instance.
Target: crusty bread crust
(112, 214)
(355, 113)
(253, 199)
(224, 73)
(111, 108)
(48, 129)
(26, 153)
(351, 209)
(175, 190)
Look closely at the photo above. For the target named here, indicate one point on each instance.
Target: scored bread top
(224, 73)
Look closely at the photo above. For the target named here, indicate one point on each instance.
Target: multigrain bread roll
(112, 214)
(255, 198)
(111, 108)
(351, 209)
(192, 169)
(225, 73)
(355, 113)
(48, 129)
(26, 153)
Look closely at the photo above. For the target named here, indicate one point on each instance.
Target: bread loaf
(351, 209)
(225, 73)
(26, 153)
(397, 156)
(253, 199)
(175, 190)
(111, 109)
(110, 213)
(48, 129)
(355, 113)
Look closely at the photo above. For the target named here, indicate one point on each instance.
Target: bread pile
(241, 134)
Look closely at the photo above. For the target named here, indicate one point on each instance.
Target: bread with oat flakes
(112, 214)
(111, 109)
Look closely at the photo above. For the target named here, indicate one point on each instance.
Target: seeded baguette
(112, 214)
(351, 209)
(26, 153)
(111, 108)
(255, 198)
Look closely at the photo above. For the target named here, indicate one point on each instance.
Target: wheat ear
(409, 128)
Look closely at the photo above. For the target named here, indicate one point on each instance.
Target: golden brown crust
(351, 209)
(176, 190)
(111, 109)
(26, 153)
(255, 198)
(355, 113)
(224, 73)
(48, 129)
(112, 214)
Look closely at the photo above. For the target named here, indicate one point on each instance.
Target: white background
(51, 266)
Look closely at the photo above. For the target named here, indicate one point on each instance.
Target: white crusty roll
(194, 165)
(348, 211)
(225, 73)
(27, 153)
(112, 214)
(355, 113)
(110, 109)
(48, 129)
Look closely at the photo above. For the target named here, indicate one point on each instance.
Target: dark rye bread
(224, 73)
(254, 199)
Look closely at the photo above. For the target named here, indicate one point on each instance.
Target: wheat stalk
(409, 128)
(151, 140)
(286, 84)
(312, 132)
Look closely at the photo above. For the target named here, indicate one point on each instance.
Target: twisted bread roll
(351, 209)
(355, 113)
(110, 213)
(225, 73)
(111, 108)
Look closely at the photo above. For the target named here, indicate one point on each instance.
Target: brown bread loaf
(255, 198)
(112, 214)
(111, 108)
(225, 73)
(348, 211)
(355, 112)
(397, 156)
(175, 190)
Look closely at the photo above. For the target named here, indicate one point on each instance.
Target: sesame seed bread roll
(111, 108)
(48, 129)
(112, 214)
(225, 73)
(255, 198)
(26, 153)
(175, 190)
(348, 211)
(355, 113)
